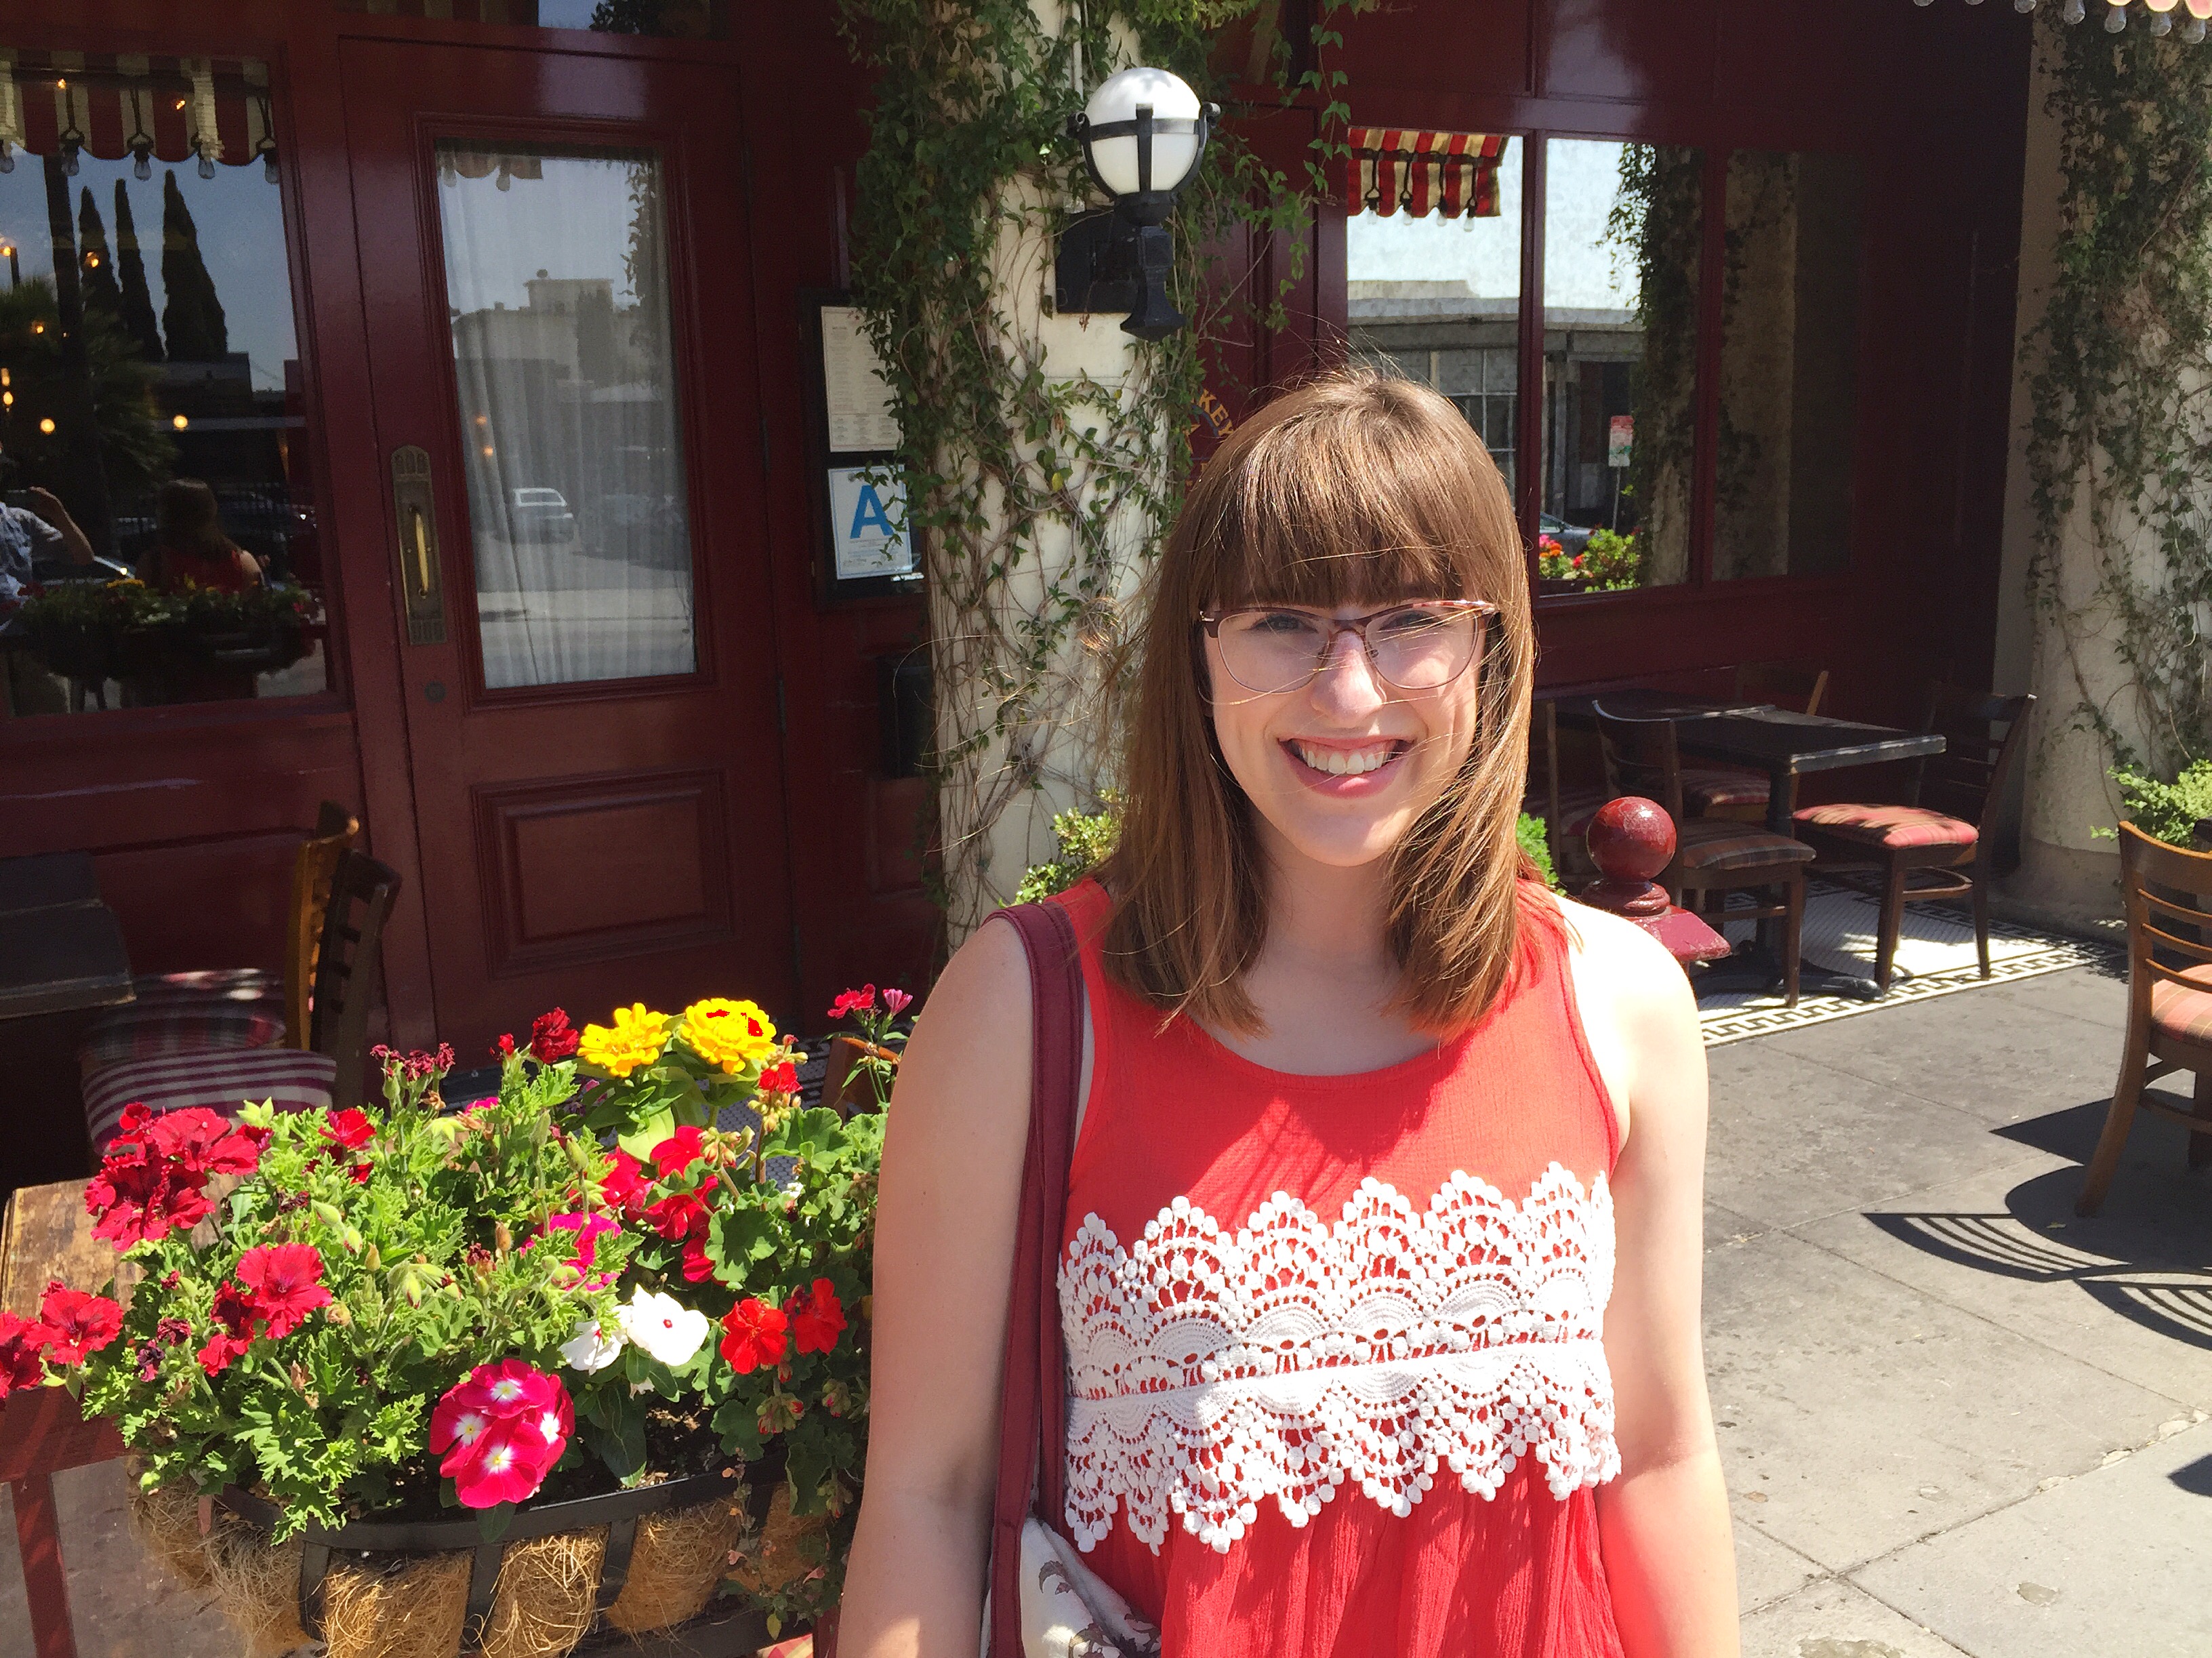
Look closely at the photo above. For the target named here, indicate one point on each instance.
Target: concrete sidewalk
(1955, 1417)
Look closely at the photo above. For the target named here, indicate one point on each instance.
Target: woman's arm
(945, 1249)
(1663, 1523)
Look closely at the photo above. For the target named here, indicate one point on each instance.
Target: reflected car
(539, 515)
(1571, 538)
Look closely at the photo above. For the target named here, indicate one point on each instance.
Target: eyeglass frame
(1211, 620)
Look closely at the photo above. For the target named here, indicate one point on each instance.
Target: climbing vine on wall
(2119, 451)
(1035, 494)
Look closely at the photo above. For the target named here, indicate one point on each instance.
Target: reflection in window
(1621, 237)
(684, 19)
(1782, 504)
(158, 536)
(557, 277)
(1435, 294)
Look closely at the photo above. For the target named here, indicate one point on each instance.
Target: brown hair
(186, 517)
(1353, 489)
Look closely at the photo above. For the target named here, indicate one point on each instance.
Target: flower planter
(642, 1560)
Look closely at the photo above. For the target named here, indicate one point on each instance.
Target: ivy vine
(1036, 496)
(2119, 450)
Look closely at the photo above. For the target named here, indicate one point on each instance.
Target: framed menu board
(866, 548)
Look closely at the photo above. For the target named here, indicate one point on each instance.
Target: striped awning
(1452, 174)
(117, 105)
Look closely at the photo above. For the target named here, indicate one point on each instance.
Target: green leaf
(639, 1138)
(492, 1522)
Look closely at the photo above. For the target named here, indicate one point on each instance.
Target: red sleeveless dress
(1336, 1388)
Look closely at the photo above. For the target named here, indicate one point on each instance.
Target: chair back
(1641, 758)
(362, 891)
(312, 869)
(2169, 895)
(1797, 686)
(1541, 786)
(1981, 732)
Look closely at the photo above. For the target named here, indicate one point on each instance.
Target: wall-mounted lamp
(1142, 134)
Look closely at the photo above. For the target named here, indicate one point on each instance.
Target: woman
(1371, 1123)
(190, 549)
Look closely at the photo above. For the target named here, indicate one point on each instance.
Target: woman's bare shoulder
(969, 1053)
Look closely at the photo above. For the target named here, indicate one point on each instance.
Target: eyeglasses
(1414, 647)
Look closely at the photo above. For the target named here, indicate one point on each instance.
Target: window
(1782, 502)
(158, 542)
(682, 19)
(1434, 261)
(1622, 228)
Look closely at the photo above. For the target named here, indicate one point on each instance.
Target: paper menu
(854, 388)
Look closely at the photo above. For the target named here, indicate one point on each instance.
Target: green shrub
(2168, 811)
(1085, 840)
(1530, 831)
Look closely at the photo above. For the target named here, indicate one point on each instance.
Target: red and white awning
(1452, 175)
(115, 105)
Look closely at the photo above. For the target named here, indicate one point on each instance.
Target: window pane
(1789, 347)
(153, 418)
(682, 20)
(1439, 300)
(556, 274)
(1621, 238)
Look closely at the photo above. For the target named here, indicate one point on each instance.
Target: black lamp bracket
(1117, 259)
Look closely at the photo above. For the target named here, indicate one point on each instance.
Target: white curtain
(556, 277)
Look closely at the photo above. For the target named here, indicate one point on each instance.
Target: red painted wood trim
(1529, 400)
(1711, 292)
(46, 1585)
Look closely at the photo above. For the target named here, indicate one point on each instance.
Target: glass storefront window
(1437, 299)
(1622, 231)
(158, 540)
(682, 20)
(1789, 347)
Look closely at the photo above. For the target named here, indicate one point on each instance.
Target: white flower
(591, 1348)
(670, 1331)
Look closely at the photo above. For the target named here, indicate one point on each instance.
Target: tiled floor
(1955, 1418)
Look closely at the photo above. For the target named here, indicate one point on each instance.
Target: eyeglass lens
(1414, 647)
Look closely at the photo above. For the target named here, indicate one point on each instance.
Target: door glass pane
(557, 280)
(158, 532)
(1622, 228)
(1789, 350)
(1437, 299)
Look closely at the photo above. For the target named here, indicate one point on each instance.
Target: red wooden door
(556, 276)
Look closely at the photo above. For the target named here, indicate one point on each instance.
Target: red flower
(22, 1341)
(754, 1336)
(620, 1187)
(780, 1078)
(134, 1199)
(286, 1282)
(677, 1152)
(680, 1215)
(201, 1142)
(80, 1324)
(500, 1431)
(351, 1129)
(697, 1269)
(220, 1351)
(550, 1037)
(504, 1048)
(817, 1319)
(235, 1311)
(852, 1002)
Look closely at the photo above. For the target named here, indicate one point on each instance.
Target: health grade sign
(868, 523)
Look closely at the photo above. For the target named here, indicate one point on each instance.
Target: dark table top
(1637, 702)
(1774, 739)
(57, 959)
(47, 882)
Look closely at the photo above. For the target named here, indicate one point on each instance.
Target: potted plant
(414, 1378)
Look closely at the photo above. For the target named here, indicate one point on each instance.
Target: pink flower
(586, 1230)
(286, 1284)
(895, 1003)
(499, 1432)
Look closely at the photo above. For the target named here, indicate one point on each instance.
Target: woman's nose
(1347, 683)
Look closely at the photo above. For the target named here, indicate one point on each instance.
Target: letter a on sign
(865, 512)
(868, 513)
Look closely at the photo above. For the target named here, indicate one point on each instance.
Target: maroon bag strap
(1033, 1409)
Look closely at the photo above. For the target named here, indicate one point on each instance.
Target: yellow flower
(635, 1039)
(731, 1035)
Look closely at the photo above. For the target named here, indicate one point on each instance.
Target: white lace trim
(1208, 1373)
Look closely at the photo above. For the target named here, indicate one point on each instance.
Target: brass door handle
(417, 513)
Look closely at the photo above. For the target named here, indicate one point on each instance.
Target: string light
(179, 421)
(47, 425)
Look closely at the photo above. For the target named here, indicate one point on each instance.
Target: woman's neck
(1325, 919)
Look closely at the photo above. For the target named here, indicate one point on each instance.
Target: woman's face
(1341, 767)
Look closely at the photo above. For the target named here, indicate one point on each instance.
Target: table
(1785, 746)
(51, 881)
(55, 960)
(1639, 703)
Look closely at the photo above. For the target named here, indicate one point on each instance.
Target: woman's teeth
(1345, 763)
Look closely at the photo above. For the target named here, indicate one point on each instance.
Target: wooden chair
(331, 1073)
(1737, 791)
(1940, 836)
(2167, 894)
(229, 1008)
(1713, 858)
(1566, 807)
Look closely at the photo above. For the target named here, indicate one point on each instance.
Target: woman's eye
(1409, 621)
(1283, 624)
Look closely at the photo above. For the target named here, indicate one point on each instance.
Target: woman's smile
(1345, 768)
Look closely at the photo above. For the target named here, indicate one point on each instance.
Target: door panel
(593, 733)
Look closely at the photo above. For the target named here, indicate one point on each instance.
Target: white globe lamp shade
(1174, 151)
